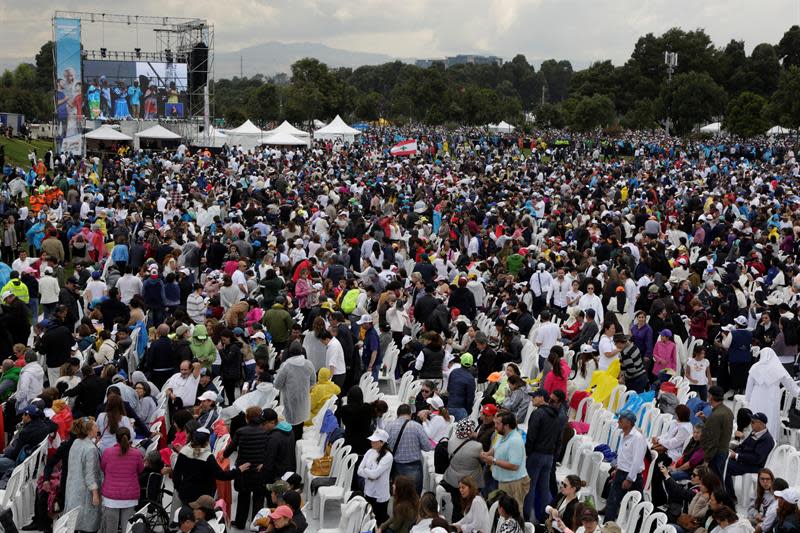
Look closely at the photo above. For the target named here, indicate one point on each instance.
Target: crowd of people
(289, 274)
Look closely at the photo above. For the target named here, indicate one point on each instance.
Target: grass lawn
(17, 150)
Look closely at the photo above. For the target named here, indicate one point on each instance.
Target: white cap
(742, 321)
(258, 335)
(587, 348)
(6, 294)
(365, 319)
(435, 402)
(790, 495)
(379, 434)
(208, 395)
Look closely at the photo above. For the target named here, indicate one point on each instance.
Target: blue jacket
(153, 293)
(754, 452)
(460, 389)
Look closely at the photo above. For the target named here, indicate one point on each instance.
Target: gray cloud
(579, 30)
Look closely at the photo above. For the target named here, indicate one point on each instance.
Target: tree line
(752, 92)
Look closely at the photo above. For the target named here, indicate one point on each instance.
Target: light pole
(671, 60)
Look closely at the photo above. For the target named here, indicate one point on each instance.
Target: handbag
(321, 466)
(687, 522)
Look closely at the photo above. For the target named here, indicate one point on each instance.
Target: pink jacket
(553, 382)
(121, 473)
(664, 356)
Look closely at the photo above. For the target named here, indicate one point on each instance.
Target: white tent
(283, 138)
(214, 139)
(158, 132)
(502, 127)
(286, 127)
(337, 130)
(318, 123)
(778, 130)
(714, 127)
(107, 133)
(248, 128)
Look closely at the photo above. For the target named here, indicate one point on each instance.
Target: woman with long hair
(557, 378)
(111, 420)
(508, 508)
(567, 505)
(764, 497)
(83, 477)
(375, 469)
(428, 511)
(121, 466)
(404, 507)
(587, 364)
(476, 513)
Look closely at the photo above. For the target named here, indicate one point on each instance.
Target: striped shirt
(631, 362)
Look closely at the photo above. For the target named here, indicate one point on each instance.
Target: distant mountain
(274, 57)
(10, 63)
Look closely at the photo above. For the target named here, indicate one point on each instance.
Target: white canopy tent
(286, 127)
(248, 135)
(158, 132)
(107, 133)
(714, 127)
(337, 130)
(283, 138)
(502, 127)
(778, 130)
(156, 137)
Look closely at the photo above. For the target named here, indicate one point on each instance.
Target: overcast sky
(579, 30)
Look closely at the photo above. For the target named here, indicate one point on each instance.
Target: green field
(17, 150)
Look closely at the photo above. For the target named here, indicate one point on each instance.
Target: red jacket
(121, 473)
(553, 382)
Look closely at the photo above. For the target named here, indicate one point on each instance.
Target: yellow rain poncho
(324, 389)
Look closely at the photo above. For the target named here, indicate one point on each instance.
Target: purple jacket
(121, 473)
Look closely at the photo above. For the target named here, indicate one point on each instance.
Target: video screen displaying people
(123, 90)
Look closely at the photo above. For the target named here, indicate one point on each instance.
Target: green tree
(264, 103)
(557, 76)
(789, 47)
(590, 112)
(692, 98)
(784, 106)
(44, 67)
(642, 116)
(369, 106)
(550, 115)
(745, 115)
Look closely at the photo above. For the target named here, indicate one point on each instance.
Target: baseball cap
(628, 415)
(489, 409)
(72, 279)
(742, 321)
(32, 410)
(790, 495)
(666, 333)
(258, 335)
(587, 348)
(380, 434)
(182, 330)
(282, 511)
(761, 417)
(203, 502)
(538, 392)
(208, 395)
(6, 294)
(365, 319)
(281, 486)
(466, 359)
(435, 402)
(96, 274)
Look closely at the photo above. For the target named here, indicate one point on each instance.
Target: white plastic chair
(352, 517)
(647, 491)
(666, 528)
(640, 513)
(445, 503)
(339, 491)
(659, 519)
(389, 367)
(626, 507)
(66, 522)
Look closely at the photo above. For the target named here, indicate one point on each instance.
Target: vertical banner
(68, 94)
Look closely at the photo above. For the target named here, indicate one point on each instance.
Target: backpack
(350, 301)
(442, 458)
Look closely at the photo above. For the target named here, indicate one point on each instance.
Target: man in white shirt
(558, 294)
(129, 286)
(22, 262)
(240, 280)
(183, 385)
(546, 337)
(334, 357)
(630, 463)
(541, 286)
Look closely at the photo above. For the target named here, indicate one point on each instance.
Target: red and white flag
(404, 148)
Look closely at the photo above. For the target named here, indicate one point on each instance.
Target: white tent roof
(158, 132)
(248, 128)
(286, 127)
(502, 127)
(714, 127)
(337, 126)
(106, 133)
(283, 138)
(778, 130)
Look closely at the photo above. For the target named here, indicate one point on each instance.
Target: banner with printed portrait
(68, 91)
